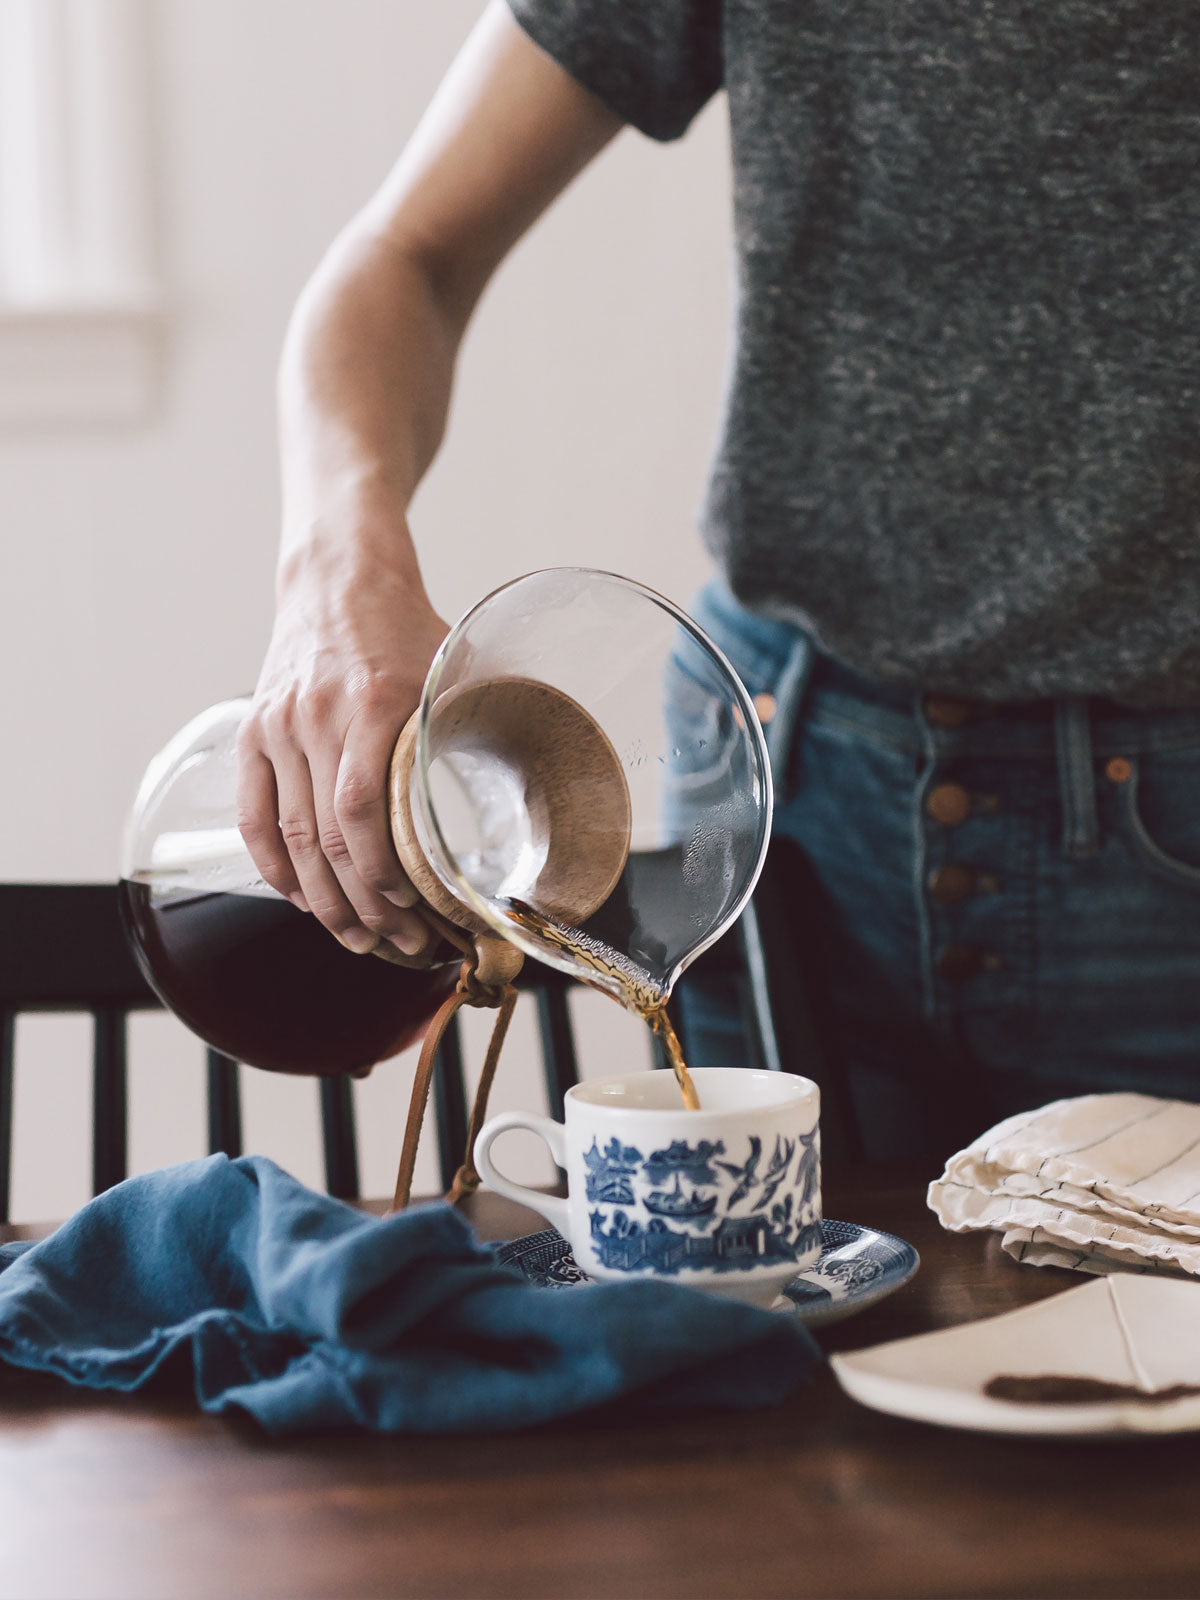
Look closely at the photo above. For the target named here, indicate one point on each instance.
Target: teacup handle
(549, 1206)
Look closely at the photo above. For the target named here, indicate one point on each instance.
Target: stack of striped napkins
(1103, 1183)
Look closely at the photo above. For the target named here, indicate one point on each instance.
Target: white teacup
(727, 1198)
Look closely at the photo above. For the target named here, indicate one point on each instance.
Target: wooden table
(131, 1498)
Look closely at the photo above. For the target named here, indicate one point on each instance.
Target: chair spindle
(558, 1047)
(108, 1098)
(8, 1021)
(337, 1126)
(224, 1105)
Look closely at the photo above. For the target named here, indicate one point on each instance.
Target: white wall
(136, 565)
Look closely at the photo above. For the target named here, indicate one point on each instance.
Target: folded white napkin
(1102, 1183)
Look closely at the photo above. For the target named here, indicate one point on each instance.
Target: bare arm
(364, 390)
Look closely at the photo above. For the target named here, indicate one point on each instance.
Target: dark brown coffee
(617, 975)
(268, 985)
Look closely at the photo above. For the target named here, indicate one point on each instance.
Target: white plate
(1128, 1329)
(857, 1268)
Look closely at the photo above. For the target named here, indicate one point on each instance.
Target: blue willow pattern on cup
(726, 1214)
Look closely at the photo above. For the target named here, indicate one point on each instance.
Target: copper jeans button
(943, 712)
(765, 705)
(952, 883)
(949, 804)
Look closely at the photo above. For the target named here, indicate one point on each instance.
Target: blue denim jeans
(1009, 896)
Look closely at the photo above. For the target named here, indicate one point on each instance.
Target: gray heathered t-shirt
(962, 436)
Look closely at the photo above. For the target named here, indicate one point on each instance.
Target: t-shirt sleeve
(654, 62)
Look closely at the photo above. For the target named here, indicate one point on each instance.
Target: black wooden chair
(62, 948)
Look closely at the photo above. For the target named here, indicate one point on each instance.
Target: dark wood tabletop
(130, 1498)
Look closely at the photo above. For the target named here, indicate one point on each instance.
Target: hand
(364, 389)
(343, 673)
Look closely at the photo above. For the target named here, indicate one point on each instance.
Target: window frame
(80, 300)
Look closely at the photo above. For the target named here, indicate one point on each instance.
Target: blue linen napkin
(306, 1313)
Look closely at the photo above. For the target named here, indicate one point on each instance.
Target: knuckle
(316, 711)
(275, 725)
(299, 835)
(371, 684)
(316, 697)
(381, 699)
(260, 835)
(377, 699)
(334, 848)
(358, 797)
(267, 853)
(249, 739)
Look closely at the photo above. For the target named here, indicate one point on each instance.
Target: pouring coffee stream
(636, 990)
(575, 731)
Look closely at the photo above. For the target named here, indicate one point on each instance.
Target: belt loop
(1076, 777)
(790, 690)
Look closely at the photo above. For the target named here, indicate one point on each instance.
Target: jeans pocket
(756, 647)
(698, 716)
(1160, 807)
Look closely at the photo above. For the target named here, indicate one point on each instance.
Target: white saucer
(856, 1268)
(1128, 1329)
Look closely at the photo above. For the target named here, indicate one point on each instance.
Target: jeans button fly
(949, 804)
(943, 712)
(958, 962)
(765, 705)
(952, 883)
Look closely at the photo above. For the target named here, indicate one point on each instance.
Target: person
(954, 505)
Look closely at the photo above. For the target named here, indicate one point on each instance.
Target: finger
(258, 823)
(379, 916)
(362, 811)
(301, 835)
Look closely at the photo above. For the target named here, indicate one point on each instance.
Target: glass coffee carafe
(585, 779)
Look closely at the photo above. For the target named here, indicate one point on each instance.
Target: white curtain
(74, 155)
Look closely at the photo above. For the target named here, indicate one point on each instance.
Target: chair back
(62, 948)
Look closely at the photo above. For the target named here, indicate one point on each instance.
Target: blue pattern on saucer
(857, 1267)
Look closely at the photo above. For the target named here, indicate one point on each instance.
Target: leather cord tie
(469, 992)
